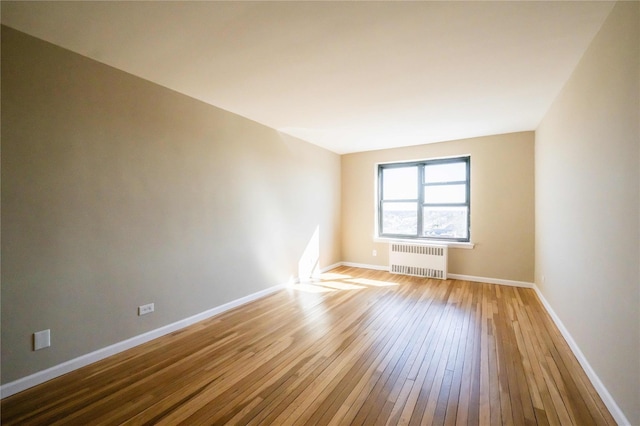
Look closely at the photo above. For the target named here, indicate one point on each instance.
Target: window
(425, 199)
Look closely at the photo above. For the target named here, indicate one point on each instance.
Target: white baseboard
(450, 276)
(365, 266)
(608, 400)
(499, 281)
(27, 382)
(330, 267)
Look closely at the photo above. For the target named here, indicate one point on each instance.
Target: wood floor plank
(354, 346)
(433, 367)
(354, 402)
(463, 402)
(362, 357)
(394, 364)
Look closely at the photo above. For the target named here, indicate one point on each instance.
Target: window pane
(445, 194)
(445, 222)
(400, 218)
(448, 172)
(400, 183)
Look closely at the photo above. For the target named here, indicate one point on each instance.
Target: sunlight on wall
(308, 265)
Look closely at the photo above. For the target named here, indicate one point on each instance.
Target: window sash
(421, 203)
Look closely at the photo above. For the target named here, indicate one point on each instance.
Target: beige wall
(502, 205)
(587, 206)
(117, 192)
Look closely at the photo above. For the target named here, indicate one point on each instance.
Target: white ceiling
(348, 76)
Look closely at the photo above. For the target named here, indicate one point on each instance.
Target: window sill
(450, 244)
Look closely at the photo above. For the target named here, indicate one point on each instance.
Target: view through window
(425, 199)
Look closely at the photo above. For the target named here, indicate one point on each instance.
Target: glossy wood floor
(356, 347)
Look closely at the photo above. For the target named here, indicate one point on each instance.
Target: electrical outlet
(145, 309)
(41, 339)
(375, 252)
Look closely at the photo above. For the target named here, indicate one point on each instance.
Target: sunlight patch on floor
(311, 288)
(333, 276)
(375, 283)
(340, 285)
(331, 281)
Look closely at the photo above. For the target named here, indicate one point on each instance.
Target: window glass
(448, 172)
(445, 222)
(400, 218)
(444, 194)
(400, 183)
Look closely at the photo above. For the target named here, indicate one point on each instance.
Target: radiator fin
(418, 260)
(428, 250)
(417, 271)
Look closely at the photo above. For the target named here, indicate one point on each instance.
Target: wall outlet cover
(41, 339)
(146, 309)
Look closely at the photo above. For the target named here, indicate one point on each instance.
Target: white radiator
(418, 260)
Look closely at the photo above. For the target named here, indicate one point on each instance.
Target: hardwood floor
(356, 347)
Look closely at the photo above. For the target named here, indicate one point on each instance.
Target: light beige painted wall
(587, 206)
(117, 192)
(502, 205)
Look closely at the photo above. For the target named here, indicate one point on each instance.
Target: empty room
(331, 213)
